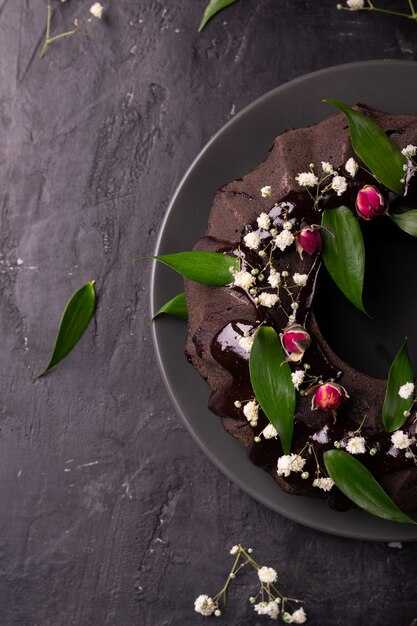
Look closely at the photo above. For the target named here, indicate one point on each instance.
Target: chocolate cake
(220, 316)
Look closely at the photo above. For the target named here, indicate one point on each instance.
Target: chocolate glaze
(216, 343)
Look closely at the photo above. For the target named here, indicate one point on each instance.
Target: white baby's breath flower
(267, 574)
(355, 5)
(267, 608)
(96, 10)
(401, 440)
(246, 343)
(327, 167)
(406, 391)
(266, 192)
(234, 550)
(325, 484)
(410, 151)
(307, 179)
(264, 221)
(244, 280)
(252, 240)
(268, 299)
(284, 239)
(204, 605)
(287, 225)
(274, 279)
(299, 616)
(297, 378)
(351, 167)
(339, 185)
(290, 463)
(251, 411)
(269, 432)
(300, 279)
(356, 445)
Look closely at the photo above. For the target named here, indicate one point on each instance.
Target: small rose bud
(295, 340)
(328, 396)
(370, 202)
(308, 240)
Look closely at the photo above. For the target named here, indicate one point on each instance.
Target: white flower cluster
(268, 300)
(409, 151)
(298, 617)
(355, 5)
(290, 463)
(267, 608)
(351, 167)
(267, 575)
(242, 279)
(269, 432)
(252, 241)
(356, 445)
(406, 391)
(204, 605)
(323, 483)
(251, 412)
(300, 279)
(401, 440)
(297, 378)
(274, 278)
(266, 192)
(96, 10)
(309, 179)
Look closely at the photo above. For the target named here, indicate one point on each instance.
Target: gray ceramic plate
(237, 149)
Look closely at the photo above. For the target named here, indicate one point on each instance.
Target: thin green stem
(411, 5)
(48, 29)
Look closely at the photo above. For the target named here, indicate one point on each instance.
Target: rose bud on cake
(308, 240)
(295, 340)
(370, 203)
(328, 396)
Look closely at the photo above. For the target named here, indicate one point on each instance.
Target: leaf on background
(176, 307)
(401, 372)
(407, 221)
(358, 484)
(213, 7)
(380, 155)
(208, 268)
(272, 385)
(75, 319)
(344, 252)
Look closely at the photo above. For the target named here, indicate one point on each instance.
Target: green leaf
(358, 484)
(213, 7)
(271, 381)
(177, 307)
(407, 221)
(344, 252)
(75, 319)
(380, 155)
(208, 268)
(400, 372)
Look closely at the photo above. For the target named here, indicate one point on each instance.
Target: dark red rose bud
(328, 396)
(308, 240)
(295, 340)
(370, 202)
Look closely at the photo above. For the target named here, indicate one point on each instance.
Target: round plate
(234, 151)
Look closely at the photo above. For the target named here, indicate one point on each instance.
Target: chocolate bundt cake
(274, 199)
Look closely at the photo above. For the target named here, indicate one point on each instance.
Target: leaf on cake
(176, 307)
(344, 252)
(272, 385)
(358, 484)
(213, 7)
(400, 373)
(407, 221)
(208, 268)
(74, 321)
(380, 155)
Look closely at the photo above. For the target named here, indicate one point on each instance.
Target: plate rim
(218, 463)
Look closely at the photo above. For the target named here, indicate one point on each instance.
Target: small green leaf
(358, 484)
(380, 155)
(208, 268)
(344, 252)
(75, 319)
(177, 307)
(407, 221)
(400, 372)
(213, 7)
(272, 385)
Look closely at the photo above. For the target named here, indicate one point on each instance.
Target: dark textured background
(109, 513)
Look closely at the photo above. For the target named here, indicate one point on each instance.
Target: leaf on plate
(271, 380)
(75, 319)
(344, 252)
(208, 268)
(380, 155)
(176, 307)
(213, 7)
(407, 221)
(401, 372)
(358, 484)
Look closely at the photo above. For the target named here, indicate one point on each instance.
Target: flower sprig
(268, 601)
(368, 5)
(96, 11)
